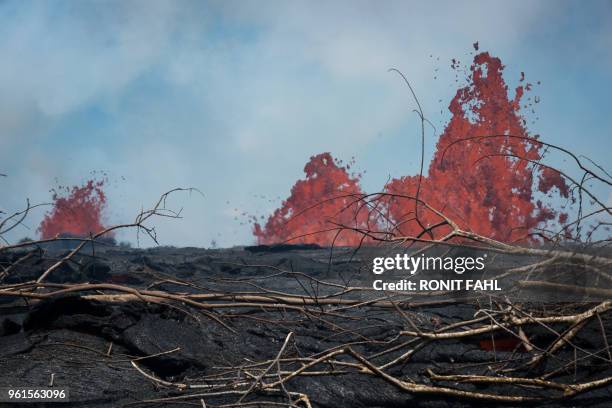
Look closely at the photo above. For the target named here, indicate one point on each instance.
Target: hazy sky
(233, 97)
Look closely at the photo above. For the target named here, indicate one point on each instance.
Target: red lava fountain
(483, 183)
(316, 204)
(76, 212)
(486, 184)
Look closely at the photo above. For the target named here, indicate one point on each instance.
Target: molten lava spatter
(76, 212)
(485, 184)
(316, 206)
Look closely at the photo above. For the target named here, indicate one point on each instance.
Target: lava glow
(324, 198)
(486, 184)
(76, 212)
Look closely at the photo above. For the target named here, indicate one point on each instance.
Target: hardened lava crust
(114, 349)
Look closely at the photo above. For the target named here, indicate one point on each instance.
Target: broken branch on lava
(531, 353)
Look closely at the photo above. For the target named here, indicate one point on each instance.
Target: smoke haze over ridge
(233, 98)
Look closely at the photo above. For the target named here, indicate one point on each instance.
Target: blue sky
(234, 97)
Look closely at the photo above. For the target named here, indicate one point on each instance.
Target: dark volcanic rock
(87, 344)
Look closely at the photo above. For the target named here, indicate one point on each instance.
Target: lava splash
(319, 203)
(483, 171)
(484, 175)
(77, 211)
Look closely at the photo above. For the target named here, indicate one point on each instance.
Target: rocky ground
(89, 344)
